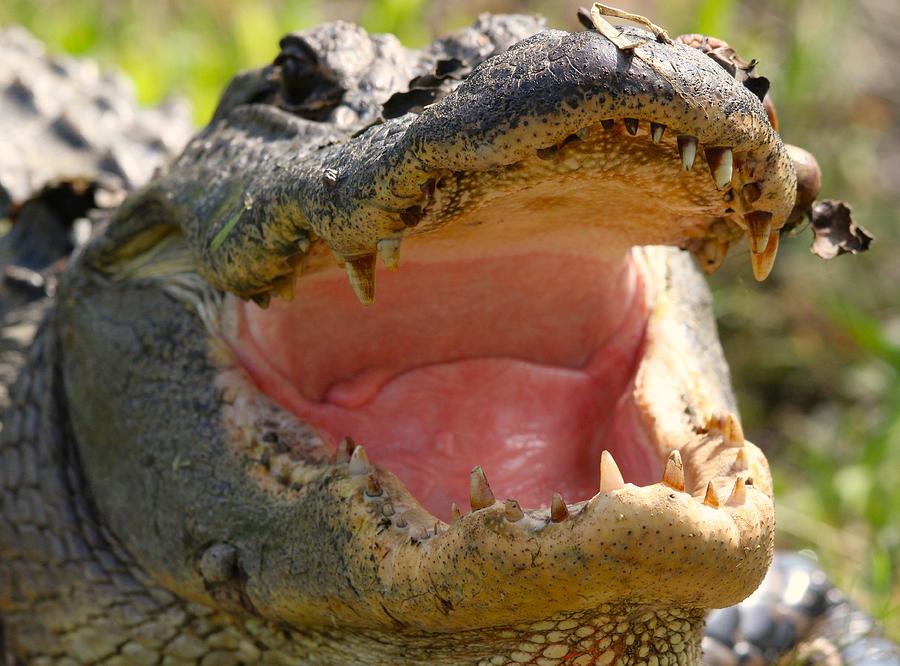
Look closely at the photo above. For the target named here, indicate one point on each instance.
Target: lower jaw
(454, 399)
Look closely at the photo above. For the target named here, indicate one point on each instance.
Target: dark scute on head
(427, 88)
(306, 87)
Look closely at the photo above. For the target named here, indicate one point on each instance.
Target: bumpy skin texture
(125, 542)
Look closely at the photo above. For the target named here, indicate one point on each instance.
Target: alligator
(215, 451)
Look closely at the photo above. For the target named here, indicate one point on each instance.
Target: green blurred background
(815, 350)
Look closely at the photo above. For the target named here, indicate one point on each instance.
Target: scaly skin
(158, 508)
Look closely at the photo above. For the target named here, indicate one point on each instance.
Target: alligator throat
(523, 365)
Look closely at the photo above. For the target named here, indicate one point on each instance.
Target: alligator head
(542, 330)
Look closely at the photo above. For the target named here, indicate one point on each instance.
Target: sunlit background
(815, 351)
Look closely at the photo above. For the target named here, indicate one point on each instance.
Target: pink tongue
(535, 430)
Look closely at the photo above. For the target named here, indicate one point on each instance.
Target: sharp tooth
(673, 476)
(359, 462)
(759, 227)
(607, 124)
(711, 499)
(455, 513)
(687, 148)
(762, 262)
(631, 124)
(610, 476)
(720, 162)
(656, 132)
(361, 272)
(512, 511)
(262, 300)
(738, 493)
(480, 494)
(558, 509)
(373, 487)
(732, 432)
(740, 460)
(389, 251)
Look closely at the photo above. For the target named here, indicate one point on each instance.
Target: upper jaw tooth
(759, 228)
(687, 147)
(720, 161)
(361, 272)
(763, 262)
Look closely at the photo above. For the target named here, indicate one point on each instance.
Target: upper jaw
(369, 193)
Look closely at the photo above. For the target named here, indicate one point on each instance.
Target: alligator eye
(298, 70)
(306, 86)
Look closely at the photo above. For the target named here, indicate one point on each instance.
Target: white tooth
(512, 511)
(687, 147)
(763, 262)
(389, 251)
(361, 272)
(759, 228)
(738, 493)
(711, 498)
(558, 509)
(359, 462)
(656, 132)
(720, 161)
(480, 493)
(732, 432)
(455, 513)
(610, 476)
(673, 476)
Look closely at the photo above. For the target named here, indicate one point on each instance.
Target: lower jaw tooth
(455, 512)
(512, 511)
(738, 493)
(480, 494)
(610, 476)
(558, 509)
(711, 499)
(673, 476)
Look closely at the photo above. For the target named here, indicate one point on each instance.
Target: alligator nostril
(218, 564)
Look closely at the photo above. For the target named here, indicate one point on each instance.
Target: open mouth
(535, 388)
(510, 340)
(535, 355)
